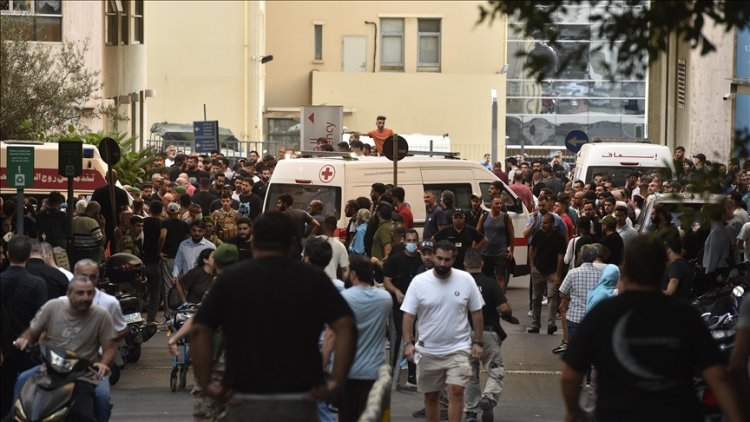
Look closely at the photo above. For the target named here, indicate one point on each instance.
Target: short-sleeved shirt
(80, 335)
(442, 308)
(195, 283)
(177, 231)
(546, 248)
(151, 232)
(383, 237)
(493, 297)
(496, 232)
(681, 270)
(559, 224)
(111, 305)
(379, 138)
(577, 284)
(340, 258)
(432, 217)
(463, 240)
(226, 223)
(647, 347)
(281, 296)
(371, 307)
(401, 269)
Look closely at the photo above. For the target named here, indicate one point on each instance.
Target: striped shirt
(87, 234)
(577, 284)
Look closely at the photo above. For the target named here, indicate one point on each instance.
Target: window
(138, 22)
(392, 42)
(428, 38)
(38, 20)
(318, 41)
(117, 19)
(303, 194)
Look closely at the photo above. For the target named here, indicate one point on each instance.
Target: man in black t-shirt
(243, 240)
(282, 307)
(398, 271)
(152, 256)
(53, 223)
(678, 282)
(299, 219)
(612, 240)
(463, 236)
(546, 253)
(204, 197)
(495, 303)
(101, 195)
(646, 347)
(173, 231)
(250, 204)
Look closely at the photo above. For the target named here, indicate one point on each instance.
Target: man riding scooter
(70, 322)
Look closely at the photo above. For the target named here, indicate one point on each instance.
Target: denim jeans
(102, 395)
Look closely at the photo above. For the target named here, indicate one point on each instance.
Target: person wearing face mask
(442, 302)
(398, 272)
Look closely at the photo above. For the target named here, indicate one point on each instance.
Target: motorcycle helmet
(124, 268)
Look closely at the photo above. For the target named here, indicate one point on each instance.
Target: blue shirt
(187, 255)
(371, 307)
(358, 244)
(559, 224)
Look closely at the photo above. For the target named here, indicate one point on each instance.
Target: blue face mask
(411, 247)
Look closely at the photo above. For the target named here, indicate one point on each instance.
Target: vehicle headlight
(57, 416)
(723, 334)
(60, 364)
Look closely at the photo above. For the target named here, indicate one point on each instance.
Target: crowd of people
(319, 296)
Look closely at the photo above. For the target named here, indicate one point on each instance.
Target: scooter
(48, 394)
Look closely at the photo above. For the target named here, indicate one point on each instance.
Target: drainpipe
(375, 49)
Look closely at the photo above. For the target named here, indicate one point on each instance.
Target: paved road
(531, 391)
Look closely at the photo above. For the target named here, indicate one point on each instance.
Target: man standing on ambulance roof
(380, 134)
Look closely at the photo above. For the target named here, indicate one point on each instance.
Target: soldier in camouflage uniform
(132, 241)
(210, 232)
(226, 219)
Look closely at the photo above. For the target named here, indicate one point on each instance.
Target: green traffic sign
(20, 162)
(70, 158)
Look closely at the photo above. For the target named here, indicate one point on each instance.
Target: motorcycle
(48, 394)
(124, 277)
(719, 309)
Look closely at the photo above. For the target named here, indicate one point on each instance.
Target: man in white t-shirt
(743, 241)
(340, 259)
(442, 300)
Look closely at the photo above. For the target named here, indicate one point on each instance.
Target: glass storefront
(582, 96)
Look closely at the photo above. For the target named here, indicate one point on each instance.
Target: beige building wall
(206, 52)
(704, 123)
(456, 100)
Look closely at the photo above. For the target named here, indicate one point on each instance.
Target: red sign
(327, 173)
(49, 180)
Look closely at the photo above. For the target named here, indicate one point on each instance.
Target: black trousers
(354, 399)
(15, 363)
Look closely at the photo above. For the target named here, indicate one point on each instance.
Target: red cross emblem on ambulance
(327, 173)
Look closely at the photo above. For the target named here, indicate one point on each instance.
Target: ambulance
(336, 179)
(46, 171)
(617, 160)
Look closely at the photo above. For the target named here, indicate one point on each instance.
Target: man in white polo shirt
(442, 300)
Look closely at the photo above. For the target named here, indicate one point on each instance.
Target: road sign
(20, 162)
(402, 147)
(574, 139)
(206, 133)
(110, 151)
(321, 122)
(70, 158)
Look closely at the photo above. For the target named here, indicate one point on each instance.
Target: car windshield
(303, 194)
(684, 215)
(618, 175)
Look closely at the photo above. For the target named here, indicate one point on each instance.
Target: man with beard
(250, 204)
(262, 185)
(442, 301)
(187, 253)
(193, 172)
(73, 324)
(204, 197)
(243, 240)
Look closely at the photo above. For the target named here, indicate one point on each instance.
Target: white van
(335, 180)
(618, 159)
(46, 171)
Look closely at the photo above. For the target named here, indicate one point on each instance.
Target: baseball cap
(173, 207)
(180, 189)
(426, 245)
(226, 253)
(459, 211)
(700, 156)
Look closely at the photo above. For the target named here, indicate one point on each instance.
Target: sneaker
(533, 330)
(410, 385)
(544, 301)
(560, 349)
(486, 404)
(471, 417)
(419, 413)
(551, 329)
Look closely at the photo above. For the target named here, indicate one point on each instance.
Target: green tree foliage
(641, 32)
(42, 86)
